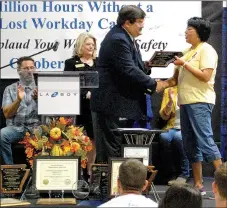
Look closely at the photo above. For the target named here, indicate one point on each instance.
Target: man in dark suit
(123, 82)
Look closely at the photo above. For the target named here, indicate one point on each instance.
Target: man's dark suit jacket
(122, 78)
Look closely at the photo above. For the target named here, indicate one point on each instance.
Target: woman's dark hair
(202, 27)
(181, 196)
(131, 13)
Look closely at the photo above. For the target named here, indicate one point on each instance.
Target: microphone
(54, 47)
(56, 44)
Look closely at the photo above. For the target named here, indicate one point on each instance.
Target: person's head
(198, 30)
(132, 177)
(181, 196)
(85, 45)
(131, 18)
(25, 69)
(219, 185)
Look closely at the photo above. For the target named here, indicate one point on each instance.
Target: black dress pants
(108, 143)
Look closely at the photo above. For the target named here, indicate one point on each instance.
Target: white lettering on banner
(28, 27)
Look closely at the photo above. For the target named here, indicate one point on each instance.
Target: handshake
(161, 85)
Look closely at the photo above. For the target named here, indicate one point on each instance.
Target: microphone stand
(48, 49)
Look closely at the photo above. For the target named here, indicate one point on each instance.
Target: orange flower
(75, 146)
(66, 149)
(29, 152)
(83, 163)
(77, 132)
(33, 143)
(89, 148)
(62, 121)
(65, 143)
(31, 162)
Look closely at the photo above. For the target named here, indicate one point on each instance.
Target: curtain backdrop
(224, 88)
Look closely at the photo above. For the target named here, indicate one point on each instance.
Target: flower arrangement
(58, 138)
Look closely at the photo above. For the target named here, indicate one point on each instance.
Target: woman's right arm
(171, 82)
(167, 104)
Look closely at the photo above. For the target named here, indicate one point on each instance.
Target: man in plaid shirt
(19, 107)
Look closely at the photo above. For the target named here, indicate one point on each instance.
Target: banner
(28, 27)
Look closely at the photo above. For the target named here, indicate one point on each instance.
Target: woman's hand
(178, 61)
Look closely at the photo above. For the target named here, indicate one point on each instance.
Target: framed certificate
(163, 58)
(114, 164)
(137, 151)
(56, 173)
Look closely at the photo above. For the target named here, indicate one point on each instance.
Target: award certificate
(56, 174)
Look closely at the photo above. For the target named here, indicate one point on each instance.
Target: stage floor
(207, 202)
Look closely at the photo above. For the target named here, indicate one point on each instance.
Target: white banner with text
(28, 27)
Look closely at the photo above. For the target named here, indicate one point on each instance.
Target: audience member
(181, 196)
(84, 59)
(219, 186)
(19, 106)
(195, 76)
(131, 182)
(173, 155)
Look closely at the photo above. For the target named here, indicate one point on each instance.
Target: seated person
(219, 186)
(19, 106)
(131, 182)
(172, 150)
(181, 196)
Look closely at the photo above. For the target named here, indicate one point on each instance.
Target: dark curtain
(224, 88)
(213, 12)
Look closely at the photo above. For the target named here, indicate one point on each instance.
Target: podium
(139, 137)
(59, 91)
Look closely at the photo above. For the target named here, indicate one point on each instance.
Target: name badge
(79, 65)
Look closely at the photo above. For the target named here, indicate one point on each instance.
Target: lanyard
(192, 53)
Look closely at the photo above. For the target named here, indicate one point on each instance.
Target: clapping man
(19, 107)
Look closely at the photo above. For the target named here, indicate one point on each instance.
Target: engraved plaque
(13, 178)
(99, 179)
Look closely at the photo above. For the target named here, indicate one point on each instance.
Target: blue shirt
(27, 113)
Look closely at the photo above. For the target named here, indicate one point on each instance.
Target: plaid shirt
(27, 114)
